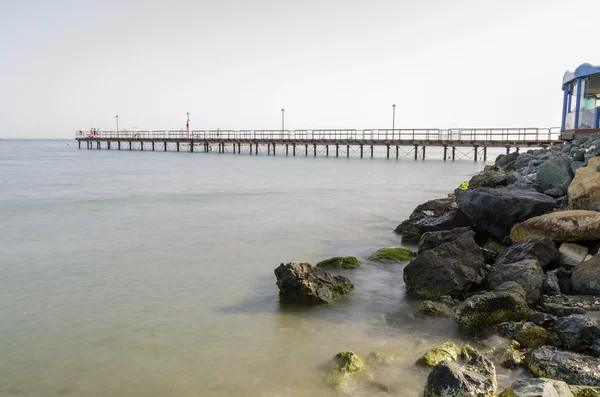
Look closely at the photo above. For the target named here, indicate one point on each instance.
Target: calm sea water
(142, 274)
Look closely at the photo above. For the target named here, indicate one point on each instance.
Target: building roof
(584, 70)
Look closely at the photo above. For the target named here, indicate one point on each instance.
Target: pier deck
(313, 142)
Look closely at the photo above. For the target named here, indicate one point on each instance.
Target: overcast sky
(69, 65)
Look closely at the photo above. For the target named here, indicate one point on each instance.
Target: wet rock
(434, 215)
(477, 378)
(494, 211)
(586, 278)
(579, 391)
(448, 269)
(392, 255)
(445, 351)
(584, 191)
(563, 226)
(468, 352)
(555, 192)
(569, 367)
(491, 178)
(523, 160)
(554, 173)
(481, 311)
(559, 310)
(431, 240)
(528, 273)
(543, 249)
(539, 387)
(340, 262)
(564, 285)
(490, 250)
(572, 254)
(341, 367)
(542, 319)
(527, 334)
(577, 332)
(302, 283)
(550, 284)
(502, 160)
(433, 309)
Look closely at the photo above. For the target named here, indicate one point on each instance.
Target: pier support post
(152, 145)
(517, 149)
(142, 146)
(507, 150)
(287, 149)
(337, 150)
(424, 152)
(396, 151)
(361, 150)
(305, 150)
(314, 150)
(294, 149)
(485, 153)
(347, 150)
(87, 145)
(453, 153)
(445, 152)
(177, 145)
(98, 145)
(327, 150)
(388, 150)
(119, 145)
(240, 148)
(192, 146)
(274, 149)
(268, 149)
(165, 144)
(79, 144)
(475, 152)
(256, 149)
(108, 144)
(129, 145)
(416, 152)
(250, 149)
(371, 151)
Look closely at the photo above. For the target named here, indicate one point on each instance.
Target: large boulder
(434, 215)
(431, 240)
(489, 178)
(392, 255)
(477, 379)
(572, 254)
(577, 332)
(543, 249)
(478, 312)
(585, 279)
(448, 269)
(494, 211)
(584, 191)
(572, 368)
(302, 283)
(339, 262)
(576, 225)
(503, 160)
(527, 273)
(540, 387)
(554, 173)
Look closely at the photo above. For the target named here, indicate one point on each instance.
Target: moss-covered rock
(432, 309)
(572, 368)
(585, 392)
(531, 336)
(468, 352)
(380, 358)
(393, 254)
(409, 231)
(340, 262)
(341, 367)
(445, 351)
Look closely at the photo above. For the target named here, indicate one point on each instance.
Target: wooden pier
(413, 143)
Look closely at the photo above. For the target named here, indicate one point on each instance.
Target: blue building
(581, 101)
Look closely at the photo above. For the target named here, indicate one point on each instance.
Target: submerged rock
(393, 254)
(584, 191)
(586, 278)
(572, 368)
(560, 226)
(542, 248)
(341, 367)
(445, 351)
(448, 269)
(339, 262)
(527, 273)
(302, 283)
(494, 211)
(433, 309)
(477, 378)
(539, 387)
(380, 358)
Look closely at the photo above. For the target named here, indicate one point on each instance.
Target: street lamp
(282, 121)
(117, 118)
(187, 124)
(393, 120)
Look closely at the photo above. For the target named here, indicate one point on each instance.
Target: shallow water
(141, 273)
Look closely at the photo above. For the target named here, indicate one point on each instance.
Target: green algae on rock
(393, 254)
(432, 309)
(468, 352)
(340, 262)
(445, 351)
(341, 367)
(572, 368)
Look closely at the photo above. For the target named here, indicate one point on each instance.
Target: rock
(569, 367)
(542, 319)
(560, 226)
(550, 284)
(431, 240)
(491, 178)
(445, 351)
(586, 278)
(565, 286)
(555, 192)
(448, 269)
(494, 211)
(490, 250)
(502, 160)
(380, 358)
(510, 358)
(543, 249)
(434, 215)
(341, 367)
(554, 173)
(340, 262)
(432, 309)
(490, 308)
(584, 392)
(572, 254)
(527, 334)
(392, 255)
(468, 352)
(523, 160)
(577, 332)
(561, 310)
(528, 273)
(539, 387)
(584, 191)
(477, 378)
(302, 283)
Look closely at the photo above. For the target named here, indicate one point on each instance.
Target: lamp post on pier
(117, 118)
(282, 122)
(393, 120)
(187, 124)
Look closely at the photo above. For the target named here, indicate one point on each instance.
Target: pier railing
(426, 134)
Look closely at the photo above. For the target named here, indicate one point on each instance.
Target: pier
(459, 143)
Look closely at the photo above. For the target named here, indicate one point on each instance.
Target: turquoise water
(141, 273)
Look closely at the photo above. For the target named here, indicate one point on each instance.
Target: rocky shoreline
(514, 254)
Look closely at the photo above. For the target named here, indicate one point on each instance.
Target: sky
(233, 64)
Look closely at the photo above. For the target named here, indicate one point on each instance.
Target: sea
(129, 273)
